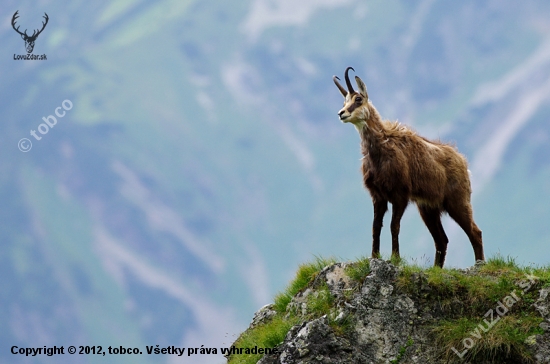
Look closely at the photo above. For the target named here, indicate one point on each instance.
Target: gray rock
(543, 304)
(541, 343)
(315, 342)
(263, 315)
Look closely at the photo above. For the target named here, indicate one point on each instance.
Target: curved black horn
(342, 89)
(348, 83)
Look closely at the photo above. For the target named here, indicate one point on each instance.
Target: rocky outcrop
(541, 345)
(374, 321)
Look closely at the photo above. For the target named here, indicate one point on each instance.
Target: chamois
(400, 166)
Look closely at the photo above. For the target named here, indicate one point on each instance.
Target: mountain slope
(203, 155)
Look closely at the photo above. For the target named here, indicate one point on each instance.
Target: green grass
(402, 351)
(493, 281)
(272, 333)
(267, 335)
(320, 302)
(359, 270)
(504, 341)
(466, 298)
(306, 272)
(499, 263)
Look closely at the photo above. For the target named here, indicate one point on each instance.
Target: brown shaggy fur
(400, 166)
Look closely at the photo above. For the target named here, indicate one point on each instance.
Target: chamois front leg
(398, 208)
(380, 208)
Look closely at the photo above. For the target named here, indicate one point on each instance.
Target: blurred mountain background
(203, 159)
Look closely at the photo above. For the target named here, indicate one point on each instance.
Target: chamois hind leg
(463, 215)
(380, 208)
(432, 219)
(398, 208)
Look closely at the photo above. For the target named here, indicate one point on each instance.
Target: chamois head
(355, 103)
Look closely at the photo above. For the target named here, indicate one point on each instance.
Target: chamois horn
(342, 89)
(348, 83)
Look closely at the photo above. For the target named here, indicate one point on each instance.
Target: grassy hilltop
(459, 299)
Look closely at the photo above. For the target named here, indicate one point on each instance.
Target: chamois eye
(358, 100)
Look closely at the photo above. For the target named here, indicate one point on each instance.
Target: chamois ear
(362, 87)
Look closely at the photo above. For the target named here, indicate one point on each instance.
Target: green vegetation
(504, 341)
(267, 335)
(466, 299)
(272, 333)
(320, 302)
(492, 282)
(306, 273)
(402, 351)
(359, 270)
(463, 298)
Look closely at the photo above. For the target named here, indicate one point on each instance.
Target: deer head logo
(29, 40)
